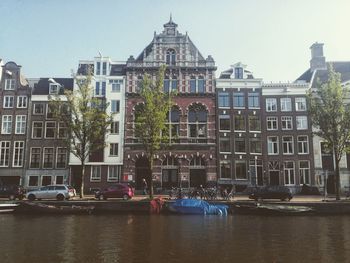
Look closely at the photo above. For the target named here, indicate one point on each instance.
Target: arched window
(139, 83)
(170, 57)
(174, 124)
(197, 123)
(197, 162)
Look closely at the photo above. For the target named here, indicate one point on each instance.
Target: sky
(272, 37)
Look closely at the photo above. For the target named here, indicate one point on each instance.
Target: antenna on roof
(100, 54)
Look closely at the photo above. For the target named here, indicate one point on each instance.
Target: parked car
(59, 192)
(124, 191)
(12, 192)
(271, 192)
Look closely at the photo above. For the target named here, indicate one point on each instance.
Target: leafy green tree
(151, 119)
(85, 118)
(330, 115)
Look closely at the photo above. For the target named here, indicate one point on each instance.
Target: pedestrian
(144, 186)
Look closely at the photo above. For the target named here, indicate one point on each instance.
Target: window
(114, 172)
(47, 180)
(254, 123)
(49, 111)
(255, 145)
(38, 109)
(289, 173)
(113, 150)
(18, 153)
(240, 145)
(53, 88)
(271, 104)
(303, 144)
(301, 122)
(272, 145)
(95, 173)
(225, 145)
(197, 85)
(115, 106)
(241, 169)
(48, 158)
(100, 88)
(287, 122)
(22, 102)
(170, 57)
(116, 84)
(225, 169)
(62, 130)
(272, 123)
(9, 84)
(224, 101)
(304, 172)
(253, 100)
(288, 145)
(4, 153)
(59, 179)
(197, 122)
(8, 101)
(50, 129)
(37, 130)
(174, 123)
(35, 157)
(104, 68)
(286, 104)
(61, 160)
(300, 104)
(6, 124)
(98, 68)
(238, 100)
(239, 123)
(239, 73)
(224, 123)
(115, 127)
(20, 124)
(33, 180)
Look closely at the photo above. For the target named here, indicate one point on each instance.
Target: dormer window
(170, 57)
(9, 84)
(54, 88)
(239, 73)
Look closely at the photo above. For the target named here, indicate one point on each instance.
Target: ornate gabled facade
(190, 160)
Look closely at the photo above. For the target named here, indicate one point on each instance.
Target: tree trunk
(82, 180)
(337, 180)
(151, 179)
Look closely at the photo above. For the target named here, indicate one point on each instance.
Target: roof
(227, 74)
(117, 69)
(41, 87)
(342, 67)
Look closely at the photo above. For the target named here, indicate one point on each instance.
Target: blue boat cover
(194, 206)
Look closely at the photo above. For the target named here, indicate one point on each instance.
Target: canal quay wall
(142, 205)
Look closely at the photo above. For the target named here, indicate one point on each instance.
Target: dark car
(124, 191)
(271, 192)
(12, 192)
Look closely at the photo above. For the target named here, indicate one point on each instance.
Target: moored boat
(194, 206)
(34, 207)
(7, 208)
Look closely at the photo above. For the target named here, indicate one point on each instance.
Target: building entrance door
(197, 177)
(142, 171)
(274, 178)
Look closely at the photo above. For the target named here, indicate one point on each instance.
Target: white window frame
(303, 144)
(9, 84)
(59, 129)
(42, 129)
(302, 122)
(271, 104)
(302, 172)
(31, 155)
(22, 102)
(271, 144)
(286, 104)
(34, 107)
(5, 147)
(29, 180)
(54, 137)
(286, 120)
(111, 178)
(8, 125)
(66, 154)
(116, 110)
(54, 88)
(300, 104)
(116, 85)
(269, 123)
(53, 158)
(112, 149)
(289, 144)
(21, 124)
(113, 125)
(19, 146)
(290, 172)
(9, 102)
(93, 177)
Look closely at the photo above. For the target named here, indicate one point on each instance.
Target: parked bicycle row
(210, 193)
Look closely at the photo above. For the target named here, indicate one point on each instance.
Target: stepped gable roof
(42, 86)
(170, 35)
(342, 67)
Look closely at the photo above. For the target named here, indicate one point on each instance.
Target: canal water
(169, 238)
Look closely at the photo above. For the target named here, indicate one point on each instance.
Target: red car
(124, 191)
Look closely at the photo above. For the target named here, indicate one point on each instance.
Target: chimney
(318, 61)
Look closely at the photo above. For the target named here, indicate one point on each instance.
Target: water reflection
(142, 238)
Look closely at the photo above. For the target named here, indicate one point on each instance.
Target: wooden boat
(272, 209)
(7, 208)
(34, 207)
